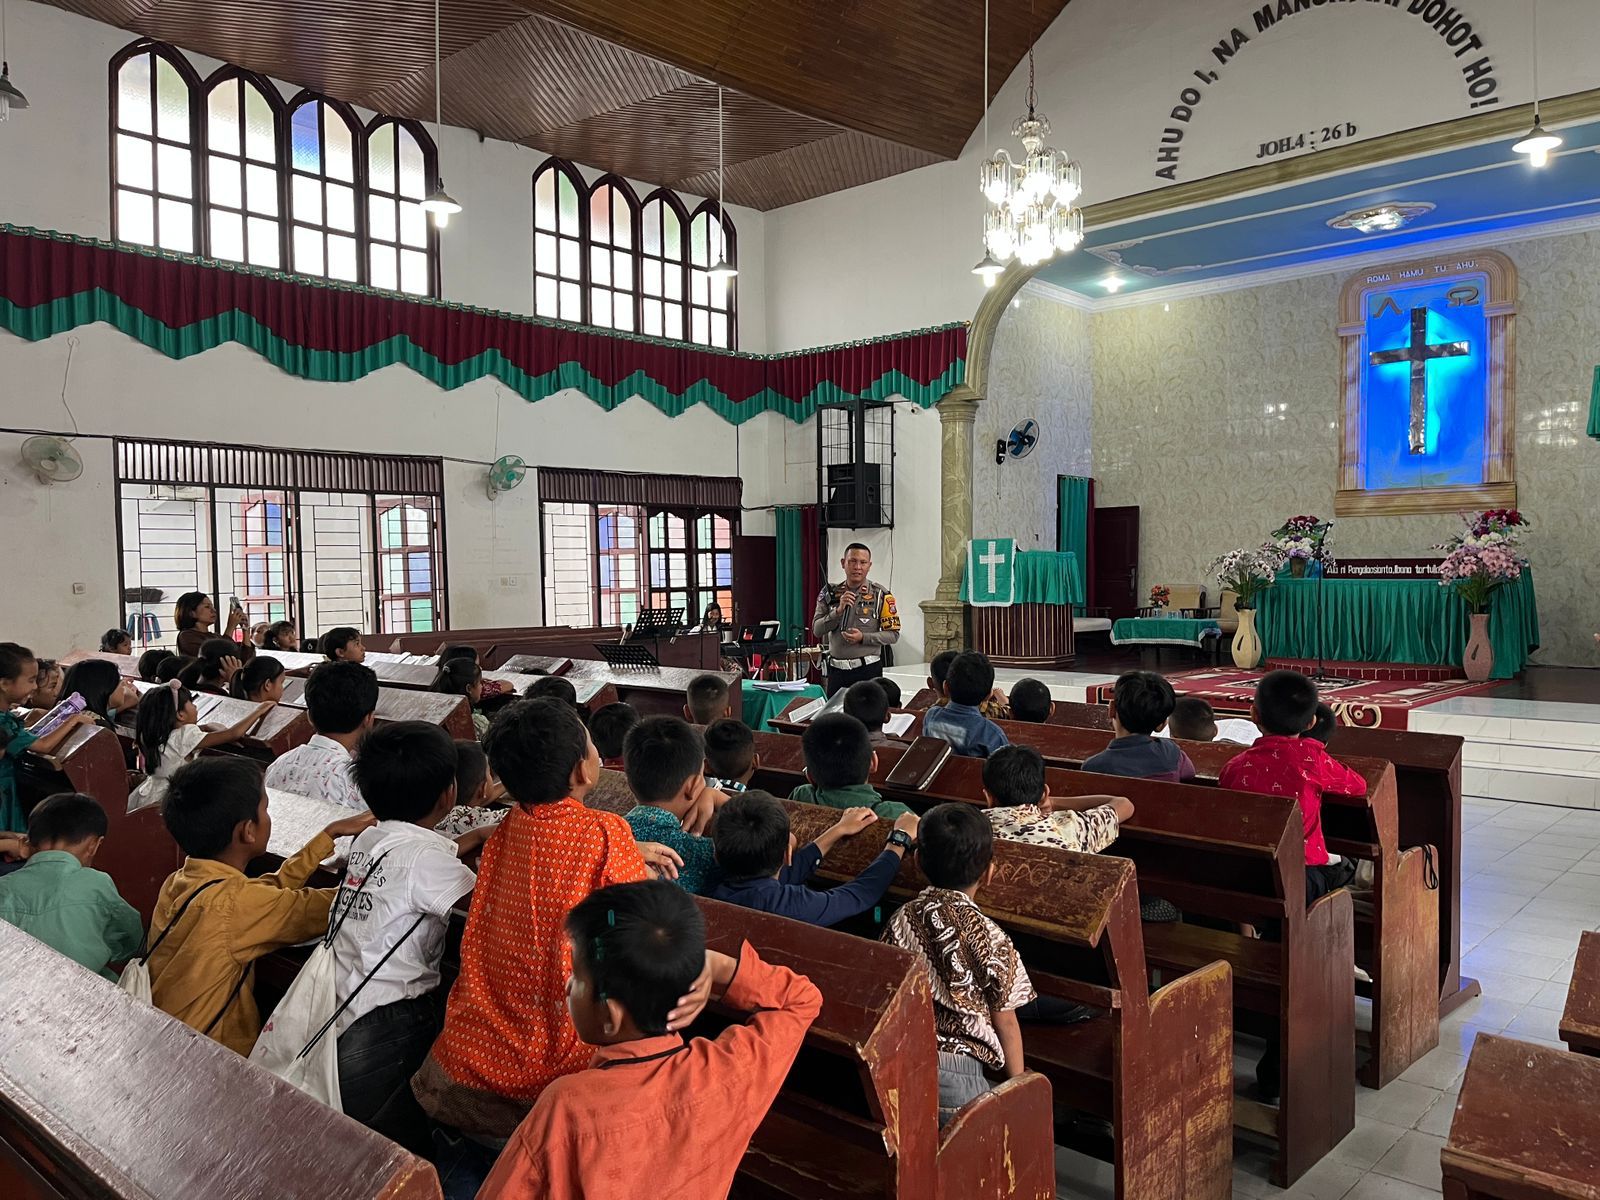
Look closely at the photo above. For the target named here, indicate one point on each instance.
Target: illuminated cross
(992, 560)
(1418, 354)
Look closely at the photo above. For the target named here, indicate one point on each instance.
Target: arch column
(944, 616)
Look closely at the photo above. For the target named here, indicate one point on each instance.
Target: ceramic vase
(1297, 568)
(1478, 658)
(1246, 642)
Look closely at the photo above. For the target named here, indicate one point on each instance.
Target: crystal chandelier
(1030, 214)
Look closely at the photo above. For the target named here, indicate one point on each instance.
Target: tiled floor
(1532, 885)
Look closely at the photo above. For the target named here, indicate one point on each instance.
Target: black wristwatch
(899, 837)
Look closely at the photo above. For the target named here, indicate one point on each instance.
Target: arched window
(558, 242)
(153, 149)
(400, 162)
(661, 266)
(244, 202)
(613, 274)
(711, 310)
(323, 139)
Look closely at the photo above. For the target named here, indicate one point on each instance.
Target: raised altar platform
(1035, 630)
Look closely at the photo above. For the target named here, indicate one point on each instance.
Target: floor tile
(1369, 1141)
(1513, 989)
(1540, 1023)
(1330, 1179)
(1415, 1159)
(1437, 1119)
(1520, 941)
(1440, 1068)
(1400, 1103)
(1552, 996)
(1481, 962)
(1489, 1012)
(1382, 1187)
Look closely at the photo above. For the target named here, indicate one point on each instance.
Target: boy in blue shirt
(1140, 705)
(665, 763)
(762, 869)
(969, 732)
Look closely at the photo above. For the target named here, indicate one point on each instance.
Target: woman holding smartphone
(195, 615)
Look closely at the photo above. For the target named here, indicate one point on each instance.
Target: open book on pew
(898, 723)
(818, 708)
(297, 819)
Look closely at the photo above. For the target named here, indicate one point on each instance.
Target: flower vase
(1297, 568)
(1246, 642)
(1478, 658)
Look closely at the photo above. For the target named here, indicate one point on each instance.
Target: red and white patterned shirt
(1278, 765)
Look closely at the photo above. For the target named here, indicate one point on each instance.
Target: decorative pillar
(944, 617)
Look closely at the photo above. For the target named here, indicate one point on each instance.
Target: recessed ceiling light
(1112, 283)
(1384, 218)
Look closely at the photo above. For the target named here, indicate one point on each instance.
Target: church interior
(652, 403)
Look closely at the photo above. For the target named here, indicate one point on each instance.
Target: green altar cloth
(1162, 631)
(1394, 620)
(762, 704)
(1043, 577)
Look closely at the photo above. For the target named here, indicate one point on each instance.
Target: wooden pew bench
(453, 713)
(1241, 860)
(1580, 1019)
(699, 652)
(653, 691)
(1527, 1125)
(103, 1096)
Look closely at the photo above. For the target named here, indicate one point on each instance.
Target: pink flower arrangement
(1483, 559)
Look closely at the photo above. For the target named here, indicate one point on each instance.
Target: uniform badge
(889, 615)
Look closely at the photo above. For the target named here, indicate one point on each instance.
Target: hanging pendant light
(11, 96)
(1538, 142)
(440, 204)
(722, 269)
(989, 269)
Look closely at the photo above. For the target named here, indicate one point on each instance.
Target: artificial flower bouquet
(1247, 571)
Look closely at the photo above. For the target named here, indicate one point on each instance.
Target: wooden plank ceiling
(822, 94)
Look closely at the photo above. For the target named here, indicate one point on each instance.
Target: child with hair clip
(463, 677)
(167, 734)
(48, 690)
(262, 681)
(19, 678)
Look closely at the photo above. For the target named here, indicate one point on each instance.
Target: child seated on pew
(706, 700)
(762, 869)
(507, 1033)
(1031, 702)
(677, 1116)
(1021, 810)
(1322, 728)
(343, 644)
(47, 692)
(463, 677)
(609, 727)
(220, 660)
(731, 758)
(666, 761)
(995, 706)
(261, 681)
(172, 666)
(167, 733)
(868, 703)
(839, 763)
(341, 698)
(1194, 720)
(1140, 705)
(58, 898)
(891, 690)
(960, 722)
(211, 921)
(391, 941)
(116, 641)
(480, 798)
(978, 978)
(150, 661)
(553, 687)
(19, 677)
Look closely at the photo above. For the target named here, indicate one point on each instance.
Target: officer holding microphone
(859, 618)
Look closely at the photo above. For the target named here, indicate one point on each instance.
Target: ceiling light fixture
(1030, 212)
(1382, 218)
(989, 268)
(11, 96)
(440, 204)
(722, 269)
(1538, 141)
(1113, 283)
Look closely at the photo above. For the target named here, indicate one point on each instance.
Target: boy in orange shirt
(605, 1134)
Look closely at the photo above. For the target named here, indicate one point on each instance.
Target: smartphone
(234, 601)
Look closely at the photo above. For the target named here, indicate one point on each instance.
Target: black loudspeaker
(854, 497)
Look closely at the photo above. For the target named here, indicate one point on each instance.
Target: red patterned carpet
(1365, 703)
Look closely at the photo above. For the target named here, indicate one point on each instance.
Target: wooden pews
(695, 651)
(103, 1096)
(1158, 1067)
(1240, 860)
(278, 732)
(652, 692)
(453, 713)
(1580, 1019)
(1527, 1125)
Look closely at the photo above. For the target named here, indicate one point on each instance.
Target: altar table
(1035, 631)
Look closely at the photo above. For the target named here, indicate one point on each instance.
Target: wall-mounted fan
(51, 459)
(1023, 439)
(508, 471)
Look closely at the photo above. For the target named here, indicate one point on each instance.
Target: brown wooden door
(755, 580)
(1116, 560)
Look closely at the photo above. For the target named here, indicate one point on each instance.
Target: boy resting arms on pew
(340, 700)
(1194, 720)
(610, 1134)
(480, 799)
(978, 979)
(707, 700)
(665, 764)
(869, 704)
(1021, 811)
(216, 921)
(762, 869)
(961, 723)
(839, 762)
(58, 899)
(1140, 705)
(1031, 701)
(609, 728)
(507, 1034)
(731, 757)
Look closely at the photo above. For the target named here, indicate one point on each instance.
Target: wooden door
(755, 580)
(1115, 584)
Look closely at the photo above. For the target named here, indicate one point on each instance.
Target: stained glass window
(153, 149)
(661, 265)
(398, 171)
(710, 300)
(244, 218)
(613, 261)
(558, 242)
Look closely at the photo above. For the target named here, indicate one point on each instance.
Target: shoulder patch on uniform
(889, 615)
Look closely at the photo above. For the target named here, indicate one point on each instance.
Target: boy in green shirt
(839, 761)
(59, 899)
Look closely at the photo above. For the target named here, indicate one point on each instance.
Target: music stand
(1318, 556)
(657, 623)
(628, 656)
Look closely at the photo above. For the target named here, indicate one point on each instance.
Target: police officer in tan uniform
(859, 618)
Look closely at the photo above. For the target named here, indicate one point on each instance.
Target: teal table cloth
(1394, 620)
(1162, 631)
(1043, 577)
(762, 704)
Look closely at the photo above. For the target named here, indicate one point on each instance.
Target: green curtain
(1594, 406)
(1072, 521)
(792, 608)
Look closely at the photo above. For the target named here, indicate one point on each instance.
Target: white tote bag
(135, 978)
